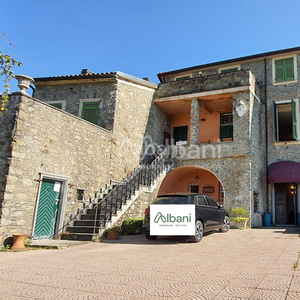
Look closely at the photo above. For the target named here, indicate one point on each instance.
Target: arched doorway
(193, 179)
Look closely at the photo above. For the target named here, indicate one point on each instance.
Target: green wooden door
(47, 209)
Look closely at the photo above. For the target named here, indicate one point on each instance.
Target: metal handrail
(143, 175)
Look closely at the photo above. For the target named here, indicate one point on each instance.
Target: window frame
(295, 120)
(288, 80)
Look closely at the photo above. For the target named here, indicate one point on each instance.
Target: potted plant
(113, 232)
(239, 219)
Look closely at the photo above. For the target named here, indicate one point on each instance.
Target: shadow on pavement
(161, 240)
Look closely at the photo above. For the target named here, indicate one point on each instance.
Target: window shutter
(57, 105)
(284, 69)
(228, 70)
(289, 68)
(279, 70)
(90, 112)
(275, 121)
(180, 133)
(295, 111)
(183, 78)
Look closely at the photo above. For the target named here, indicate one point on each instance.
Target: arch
(182, 178)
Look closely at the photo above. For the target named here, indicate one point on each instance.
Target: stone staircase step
(86, 223)
(79, 236)
(82, 229)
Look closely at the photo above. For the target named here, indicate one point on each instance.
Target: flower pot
(24, 82)
(18, 241)
(112, 234)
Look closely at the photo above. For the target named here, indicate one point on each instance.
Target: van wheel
(198, 232)
(150, 237)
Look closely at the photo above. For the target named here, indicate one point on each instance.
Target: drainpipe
(33, 90)
(267, 142)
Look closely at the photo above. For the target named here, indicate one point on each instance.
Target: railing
(143, 175)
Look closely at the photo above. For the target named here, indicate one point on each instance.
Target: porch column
(194, 131)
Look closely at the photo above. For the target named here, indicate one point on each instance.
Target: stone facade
(40, 139)
(250, 141)
(136, 119)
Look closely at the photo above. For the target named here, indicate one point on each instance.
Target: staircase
(105, 209)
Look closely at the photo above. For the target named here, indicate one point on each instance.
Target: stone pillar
(194, 131)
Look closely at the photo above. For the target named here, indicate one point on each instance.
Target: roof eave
(229, 61)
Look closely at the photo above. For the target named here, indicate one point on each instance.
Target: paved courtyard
(240, 264)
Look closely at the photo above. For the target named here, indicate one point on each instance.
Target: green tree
(6, 65)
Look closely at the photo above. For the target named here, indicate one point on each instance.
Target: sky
(141, 37)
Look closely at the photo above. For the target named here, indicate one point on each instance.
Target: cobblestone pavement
(240, 264)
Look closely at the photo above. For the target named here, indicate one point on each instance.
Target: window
(286, 120)
(200, 200)
(226, 125)
(211, 202)
(183, 77)
(284, 69)
(180, 134)
(193, 187)
(58, 104)
(80, 194)
(229, 69)
(90, 111)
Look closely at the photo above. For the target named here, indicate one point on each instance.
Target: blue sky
(142, 37)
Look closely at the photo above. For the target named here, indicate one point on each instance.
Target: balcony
(204, 119)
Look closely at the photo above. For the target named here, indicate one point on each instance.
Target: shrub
(238, 215)
(238, 211)
(132, 225)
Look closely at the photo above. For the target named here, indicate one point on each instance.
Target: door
(216, 215)
(47, 209)
(280, 204)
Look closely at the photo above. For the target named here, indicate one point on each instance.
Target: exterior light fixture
(196, 177)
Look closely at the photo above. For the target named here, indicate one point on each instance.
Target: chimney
(86, 72)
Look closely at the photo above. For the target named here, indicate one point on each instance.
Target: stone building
(233, 128)
(238, 121)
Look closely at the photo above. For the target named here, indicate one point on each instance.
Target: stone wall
(51, 141)
(48, 140)
(204, 83)
(72, 93)
(7, 135)
(131, 118)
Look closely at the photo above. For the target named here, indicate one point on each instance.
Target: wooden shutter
(279, 70)
(228, 70)
(90, 112)
(284, 69)
(180, 133)
(57, 105)
(289, 68)
(295, 111)
(183, 78)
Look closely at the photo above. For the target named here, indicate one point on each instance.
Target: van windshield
(173, 200)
